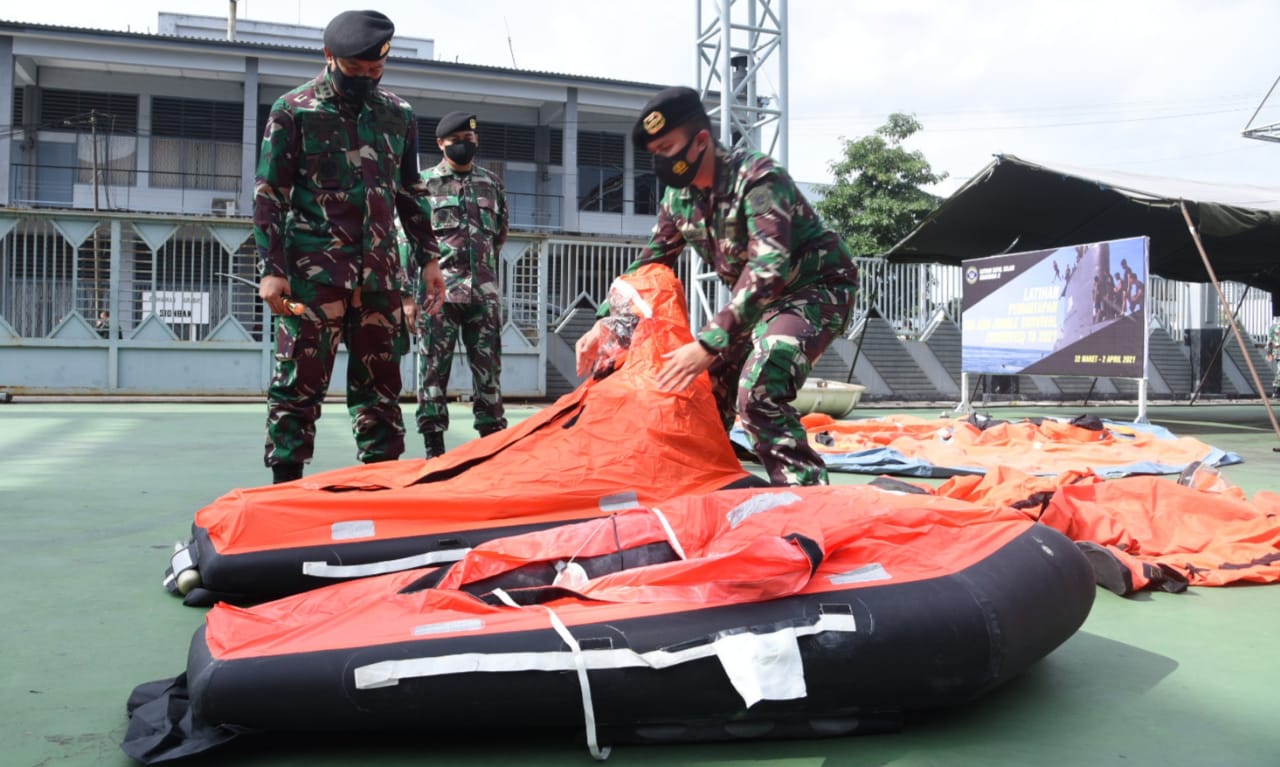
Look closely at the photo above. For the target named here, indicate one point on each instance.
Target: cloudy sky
(1161, 88)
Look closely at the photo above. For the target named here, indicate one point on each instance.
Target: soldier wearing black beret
(792, 279)
(668, 110)
(469, 214)
(356, 44)
(456, 122)
(339, 161)
(364, 35)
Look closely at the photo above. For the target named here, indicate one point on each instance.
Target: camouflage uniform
(331, 177)
(792, 283)
(1273, 354)
(469, 216)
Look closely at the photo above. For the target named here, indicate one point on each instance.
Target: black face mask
(461, 152)
(353, 89)
(676, 170)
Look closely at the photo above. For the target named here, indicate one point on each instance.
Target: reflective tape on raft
(759, 503)
(326, 570)
(389, 673)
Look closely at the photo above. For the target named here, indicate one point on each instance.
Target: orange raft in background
(908, 445)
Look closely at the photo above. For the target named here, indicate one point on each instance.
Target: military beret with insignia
(364, 35)
(665, 112)
(455, 122)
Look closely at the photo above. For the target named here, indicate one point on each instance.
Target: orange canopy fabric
(1147, 532)
(613, 442)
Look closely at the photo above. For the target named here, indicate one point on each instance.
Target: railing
(1176, 307)
(128, 282)
(162, 191)
(534, 211)
(115, 276)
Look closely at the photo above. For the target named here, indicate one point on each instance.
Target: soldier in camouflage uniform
(468, 208)
(792, 279)
(1273, 351)
(339, 159)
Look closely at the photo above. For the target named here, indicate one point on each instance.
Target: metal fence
(97, 301)
(115, 274)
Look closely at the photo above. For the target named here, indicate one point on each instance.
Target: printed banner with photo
(1078, 311)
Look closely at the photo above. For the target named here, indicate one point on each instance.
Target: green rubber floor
(93, 495)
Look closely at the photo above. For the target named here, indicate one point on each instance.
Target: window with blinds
(195, 144)
(601, 157)
(106, 128)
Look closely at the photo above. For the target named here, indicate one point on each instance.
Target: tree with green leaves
(877, 199)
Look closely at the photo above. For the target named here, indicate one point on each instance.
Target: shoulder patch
(759, 200)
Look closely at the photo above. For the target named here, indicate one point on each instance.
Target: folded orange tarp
(1146, 532)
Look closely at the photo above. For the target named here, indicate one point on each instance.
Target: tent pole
(1235, 327)
(965, 407)
(1195, 395)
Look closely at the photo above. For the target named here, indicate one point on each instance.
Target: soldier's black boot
(434, 440)
(489, 429)
(285, 472)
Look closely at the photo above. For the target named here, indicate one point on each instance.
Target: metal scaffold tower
(742, 65)
(741, 75)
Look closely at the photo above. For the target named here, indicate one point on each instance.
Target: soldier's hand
(683, 365)
(274, 290)
(409, 305)
(433, 282)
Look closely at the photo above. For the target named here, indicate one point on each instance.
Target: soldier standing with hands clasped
(339, 160)
(792, 279)
(468, 208)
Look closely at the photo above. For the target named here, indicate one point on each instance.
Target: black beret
(362, 35)
(454, 122)
(665, 112)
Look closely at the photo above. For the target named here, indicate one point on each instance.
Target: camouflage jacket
(329, 183)
(1273, 337)
(758, 232)
(469, 217)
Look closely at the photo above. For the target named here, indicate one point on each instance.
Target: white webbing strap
(671, 534)
(580, 663)
(326, 570)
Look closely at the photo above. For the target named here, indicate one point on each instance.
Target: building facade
(171, 122)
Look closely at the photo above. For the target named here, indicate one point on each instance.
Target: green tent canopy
(1014, 205)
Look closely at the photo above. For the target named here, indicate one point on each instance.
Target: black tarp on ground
(1014, 205)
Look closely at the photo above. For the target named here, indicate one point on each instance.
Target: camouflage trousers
(372, 327)
(480, 325)
(758, 378)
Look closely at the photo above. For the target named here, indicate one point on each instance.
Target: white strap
(580, 663)
(389, 673)
(671, 534)
(326, 570)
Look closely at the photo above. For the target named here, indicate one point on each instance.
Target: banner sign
(177, 307)
(1077, 311)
